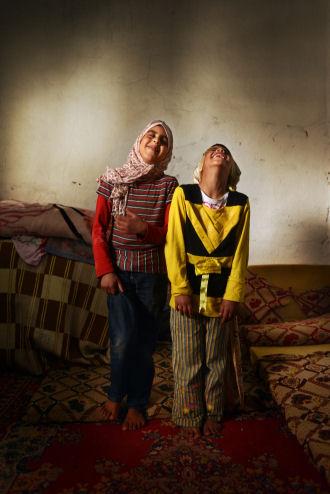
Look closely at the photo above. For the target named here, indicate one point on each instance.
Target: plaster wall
(80, 79)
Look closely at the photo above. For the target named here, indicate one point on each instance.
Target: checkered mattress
(51, 310)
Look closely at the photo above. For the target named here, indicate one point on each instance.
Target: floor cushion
(300, 386)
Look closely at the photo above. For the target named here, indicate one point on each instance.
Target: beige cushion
(280, 352)
(314, 302)
(311, 331)
(298, 277)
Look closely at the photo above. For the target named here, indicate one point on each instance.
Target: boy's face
(217, 156)
(217, 153)
(154, 145)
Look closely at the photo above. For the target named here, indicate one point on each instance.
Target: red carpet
(253, 455)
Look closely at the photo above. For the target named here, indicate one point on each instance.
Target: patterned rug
(76, 393)
(252, 455)
(54, 441)
(16, 391)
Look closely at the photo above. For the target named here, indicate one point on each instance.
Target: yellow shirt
(207, 249)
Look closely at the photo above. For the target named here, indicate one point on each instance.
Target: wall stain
(298, 127)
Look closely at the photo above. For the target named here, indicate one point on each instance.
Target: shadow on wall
(309, 242)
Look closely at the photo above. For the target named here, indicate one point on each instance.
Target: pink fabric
(30, 249)
(135, 168)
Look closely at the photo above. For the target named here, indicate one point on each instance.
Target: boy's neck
(213, 186)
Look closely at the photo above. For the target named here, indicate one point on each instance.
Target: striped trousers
(200, 353)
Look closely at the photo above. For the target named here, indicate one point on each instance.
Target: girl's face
(154, 145)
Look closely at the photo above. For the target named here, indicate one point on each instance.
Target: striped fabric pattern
(200, 355)
(142, 261)
(148, 200)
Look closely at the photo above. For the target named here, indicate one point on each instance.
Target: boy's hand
(111, 283)
(131, 223)
(183, 304)
(228, 309)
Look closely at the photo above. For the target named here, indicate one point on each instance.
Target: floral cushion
(263, 302)
(314, 302)
(305, 332)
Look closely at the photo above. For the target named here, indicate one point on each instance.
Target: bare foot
(191, 433)
(134, 420)
(212, 428)
(110, 410)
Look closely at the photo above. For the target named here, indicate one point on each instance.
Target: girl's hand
(183, 304)
(131, 223)
(228, 309)
(112, 284)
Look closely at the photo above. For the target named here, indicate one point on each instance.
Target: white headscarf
(234, 174)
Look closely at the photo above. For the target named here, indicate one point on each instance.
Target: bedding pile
(39, 229)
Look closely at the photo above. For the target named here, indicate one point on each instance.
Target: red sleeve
(157, 234)
(102, 259)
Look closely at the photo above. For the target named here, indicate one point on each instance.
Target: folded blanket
(77, 250)
(45, 220)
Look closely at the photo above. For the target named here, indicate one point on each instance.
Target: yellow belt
(203, 292)
(206, 266)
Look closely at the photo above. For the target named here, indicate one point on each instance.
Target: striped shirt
(150, 201)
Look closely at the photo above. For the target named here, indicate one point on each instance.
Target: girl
(129, 261)
(206, 254)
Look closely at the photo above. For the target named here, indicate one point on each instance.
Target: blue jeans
(133, 333)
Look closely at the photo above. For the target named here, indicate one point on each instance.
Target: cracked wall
(80, 78)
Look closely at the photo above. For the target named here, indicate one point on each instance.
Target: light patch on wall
(59, 122)
(59, 132)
